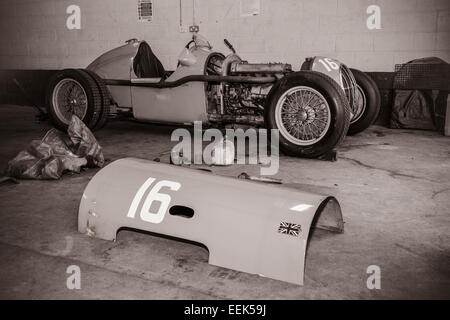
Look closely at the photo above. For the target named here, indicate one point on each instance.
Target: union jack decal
(291, 229)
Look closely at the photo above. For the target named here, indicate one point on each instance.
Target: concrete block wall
(33, 33)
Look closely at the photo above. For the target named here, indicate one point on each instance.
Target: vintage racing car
(313, 108)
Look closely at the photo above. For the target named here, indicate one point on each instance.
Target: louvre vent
(145, 10)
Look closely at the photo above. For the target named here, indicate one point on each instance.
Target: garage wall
(33, 33)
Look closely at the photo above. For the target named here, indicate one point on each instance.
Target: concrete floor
(393, 186)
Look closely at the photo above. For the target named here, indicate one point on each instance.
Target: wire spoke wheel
(69, 98)
(303, 115)
(367, 104)
(359, 107)
(76, 92)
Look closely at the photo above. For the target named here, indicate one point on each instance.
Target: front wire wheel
(311, 112)
(303, 115)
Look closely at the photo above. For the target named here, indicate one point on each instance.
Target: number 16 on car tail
(154, 195)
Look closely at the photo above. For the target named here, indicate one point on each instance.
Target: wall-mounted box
(145, 10)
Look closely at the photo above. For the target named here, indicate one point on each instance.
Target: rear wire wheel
(367, 106)
(72, 92)
(310, 111)
(360, 105)
(106, 99)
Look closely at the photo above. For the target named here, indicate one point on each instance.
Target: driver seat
(146, 64)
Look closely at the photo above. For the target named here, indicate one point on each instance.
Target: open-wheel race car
(313, 108)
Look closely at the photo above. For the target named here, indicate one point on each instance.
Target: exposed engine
(240, 99)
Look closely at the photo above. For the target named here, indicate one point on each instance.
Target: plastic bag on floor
(57, 153)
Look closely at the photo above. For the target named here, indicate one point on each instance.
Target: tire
(106, 99)
(59, 90)
(369, 93)
(331, 105)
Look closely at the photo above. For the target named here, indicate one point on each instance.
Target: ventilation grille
(422, 76)
(145, 10)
